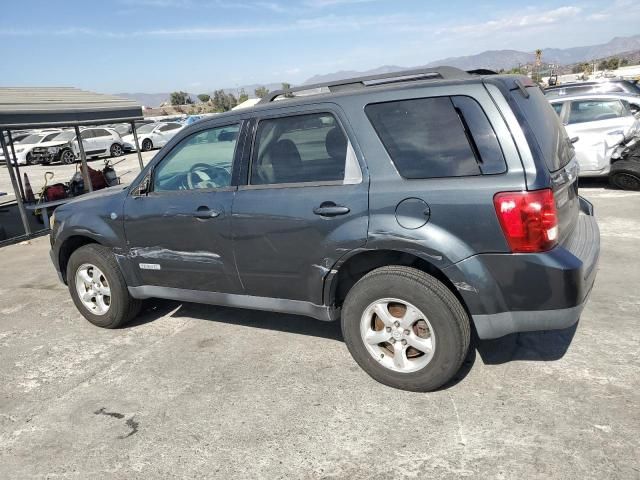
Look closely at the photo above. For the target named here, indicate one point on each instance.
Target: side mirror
(142, 189)
(574, 139)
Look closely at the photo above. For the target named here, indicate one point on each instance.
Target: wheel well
(359, 265)
(69, 246)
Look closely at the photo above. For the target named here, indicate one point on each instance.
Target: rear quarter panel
(462, 221)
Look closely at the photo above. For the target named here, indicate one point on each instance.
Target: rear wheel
(405, 328)
(625, 174)
(116, 150)
(67, 157)
(147, 145)
(98, 288)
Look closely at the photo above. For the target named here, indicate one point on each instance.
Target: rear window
(545, 134)
(437, 137)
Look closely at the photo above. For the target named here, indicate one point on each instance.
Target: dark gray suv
(415, 208)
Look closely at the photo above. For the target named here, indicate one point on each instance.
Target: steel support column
(135, 139)
(83, 158)
(13, 152)
(16, 190)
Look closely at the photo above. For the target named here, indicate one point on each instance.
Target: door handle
(330, 209)
(206, 212)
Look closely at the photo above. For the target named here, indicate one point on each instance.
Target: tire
(121, 306)
(67, 157)
(625, 174)
(146, 145)
(445, 326)
(116, 150)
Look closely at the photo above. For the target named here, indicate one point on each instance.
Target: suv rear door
(304, 203)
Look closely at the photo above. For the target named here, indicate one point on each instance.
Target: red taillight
(528, 219)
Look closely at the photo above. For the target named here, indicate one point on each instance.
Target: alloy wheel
(397, 335)
(93, 289)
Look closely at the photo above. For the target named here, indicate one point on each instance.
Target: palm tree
(538, 64)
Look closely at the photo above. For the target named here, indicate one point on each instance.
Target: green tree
(223, 102)
(179, 98)
(204, 97)
(261, 92)
(243, 97)
(603, 65)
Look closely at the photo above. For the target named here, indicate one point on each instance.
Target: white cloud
(516, 22)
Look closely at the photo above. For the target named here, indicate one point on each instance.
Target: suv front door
(304, 205)
(179, 233)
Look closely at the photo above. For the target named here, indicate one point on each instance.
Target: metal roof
(34, 107)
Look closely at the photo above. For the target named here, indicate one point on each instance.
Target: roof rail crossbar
(445, 73)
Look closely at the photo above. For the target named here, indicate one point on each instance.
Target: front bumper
(509, 293)
(54, 259)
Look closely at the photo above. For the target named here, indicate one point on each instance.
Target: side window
(596, 110)
(86, 134)
(301, 149)
(424, 137)
(557, 107)
(200, 161)
(100, 132)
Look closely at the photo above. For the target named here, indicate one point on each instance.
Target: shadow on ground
(530, 346)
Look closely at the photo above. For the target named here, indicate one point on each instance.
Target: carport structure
(44, 107)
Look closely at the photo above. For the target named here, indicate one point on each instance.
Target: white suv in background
(96, 141)
(152, 135)
(605, 132)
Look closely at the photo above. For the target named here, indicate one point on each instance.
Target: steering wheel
(202, 175)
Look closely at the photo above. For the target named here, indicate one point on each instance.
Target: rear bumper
(509, 293)
(500, 324)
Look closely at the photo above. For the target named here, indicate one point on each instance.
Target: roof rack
(440, 73)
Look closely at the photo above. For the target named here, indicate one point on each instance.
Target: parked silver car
(605, 132)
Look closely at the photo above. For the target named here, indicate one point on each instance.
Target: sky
(153, 46)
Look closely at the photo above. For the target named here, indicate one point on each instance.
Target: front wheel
(68, 157)
(98, 288)
(405, 328)
(625, 174)
(29, 159)
(147, 145)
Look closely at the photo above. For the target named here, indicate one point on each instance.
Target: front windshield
(66, 136)
(33, 138)
(148, 128)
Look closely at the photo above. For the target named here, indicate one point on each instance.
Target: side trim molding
(296, 307)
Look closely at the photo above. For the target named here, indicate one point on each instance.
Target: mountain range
(490, 59)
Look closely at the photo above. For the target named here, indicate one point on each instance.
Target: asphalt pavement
(207, 392)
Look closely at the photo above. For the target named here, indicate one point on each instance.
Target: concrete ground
(205, 392)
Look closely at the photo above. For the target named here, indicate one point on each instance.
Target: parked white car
(96, 141)
(24, 146)
(605, 132)
(152, 135)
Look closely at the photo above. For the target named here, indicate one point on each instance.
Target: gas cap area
(412, 213)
